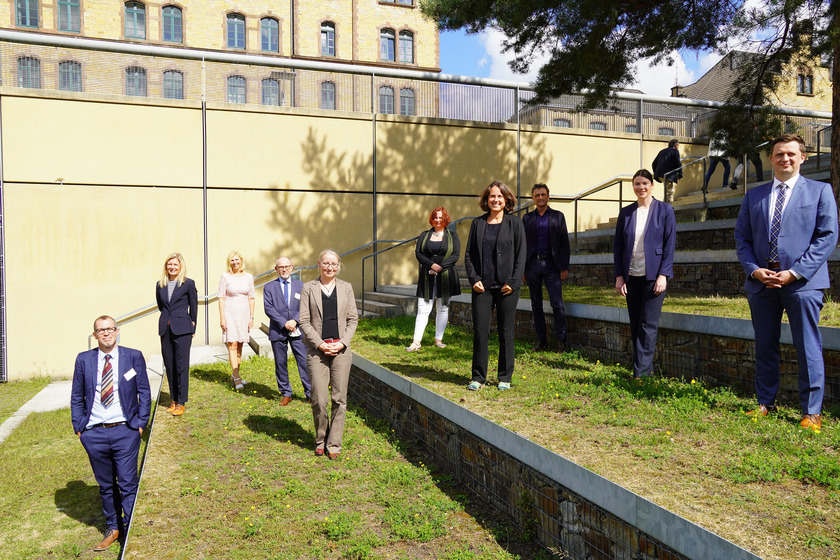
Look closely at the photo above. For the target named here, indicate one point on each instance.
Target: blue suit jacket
(558, 233)
(277, 310)
(807, 237)
(660, 240)
(181, 311)
(135, 395)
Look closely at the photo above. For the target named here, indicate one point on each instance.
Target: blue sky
(480, 55)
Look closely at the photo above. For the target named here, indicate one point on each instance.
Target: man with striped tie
(109, 406)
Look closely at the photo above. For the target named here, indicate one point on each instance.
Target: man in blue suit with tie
(784, 234)
(282, 305)
(110, 404)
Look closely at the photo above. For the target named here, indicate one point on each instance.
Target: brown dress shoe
(179, 410)
(763, 410)
(171, 408)
(285, 400)
(811, 422)
(110, 537)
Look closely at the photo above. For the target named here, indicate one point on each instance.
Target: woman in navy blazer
(177, 300)
(645, 237)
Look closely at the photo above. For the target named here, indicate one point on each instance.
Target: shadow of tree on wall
(419, 165)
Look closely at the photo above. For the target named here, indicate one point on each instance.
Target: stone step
(259, 342)
(379, 309)
(399, 289)
(406, 303)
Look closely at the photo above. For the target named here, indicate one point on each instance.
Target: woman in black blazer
(495, 261)
(177, 300)
(645, 238)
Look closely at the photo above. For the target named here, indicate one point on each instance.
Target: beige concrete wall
(280, 181)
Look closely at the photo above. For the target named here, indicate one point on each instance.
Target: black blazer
(180, 312)
(557, 232)
(510, 251)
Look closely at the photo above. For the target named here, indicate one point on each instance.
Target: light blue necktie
(776, 224)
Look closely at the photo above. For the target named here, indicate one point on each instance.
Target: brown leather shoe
(171, 408)
(179, 410)
(811, 422)
(285, 400)
(763, 410)
(110, 537)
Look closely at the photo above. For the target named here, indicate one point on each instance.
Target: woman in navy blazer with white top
(177, 300)
(645, 238)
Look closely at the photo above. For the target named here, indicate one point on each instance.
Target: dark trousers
(281, 367)
(803, 311)
(713, 161)
(482, 311)
(644, 309)
(113, 454)
(176, 359)
(537, 272)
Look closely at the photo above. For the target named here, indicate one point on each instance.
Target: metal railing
(819, 150)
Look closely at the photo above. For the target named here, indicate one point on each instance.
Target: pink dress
(237, 289)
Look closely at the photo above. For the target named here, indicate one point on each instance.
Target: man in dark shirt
(548, 261)
(666, 168)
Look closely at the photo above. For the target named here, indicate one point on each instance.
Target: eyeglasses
(106, 330)
(330, 265)
(284, 267)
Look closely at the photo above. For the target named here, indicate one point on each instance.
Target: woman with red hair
(437, 251)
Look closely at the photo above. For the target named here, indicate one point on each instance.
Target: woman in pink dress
(236, 310)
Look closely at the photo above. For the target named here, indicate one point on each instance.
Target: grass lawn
(236, 477)
(13, 395)
(49, 499)
(761, 483)
(716, 306)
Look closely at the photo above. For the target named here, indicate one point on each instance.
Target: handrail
(819, 150)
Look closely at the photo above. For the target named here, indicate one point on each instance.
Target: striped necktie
(107, 382)
(776, 224)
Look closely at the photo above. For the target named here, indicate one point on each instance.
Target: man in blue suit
(547, 240)
(282, 305)
(784, 234)
(110, 404)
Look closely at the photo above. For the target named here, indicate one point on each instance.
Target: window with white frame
(327, 38)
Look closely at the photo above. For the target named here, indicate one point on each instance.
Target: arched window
(135, 20)
(387, 40)
(328, 39)
(69, 76)
(235, 31)
(328, 95)
(29, 72)
(269, 35)
(172, 24)
(386, 99)
(407, 47)
(236, 90)
(271, 92)
(666, 131)
(135, 81)
(26, 13)
(406, 101)
(173, 84)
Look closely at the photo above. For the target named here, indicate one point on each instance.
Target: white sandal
(415, 346)
(439, 343)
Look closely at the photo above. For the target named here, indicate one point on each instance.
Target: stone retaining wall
(570, 510)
